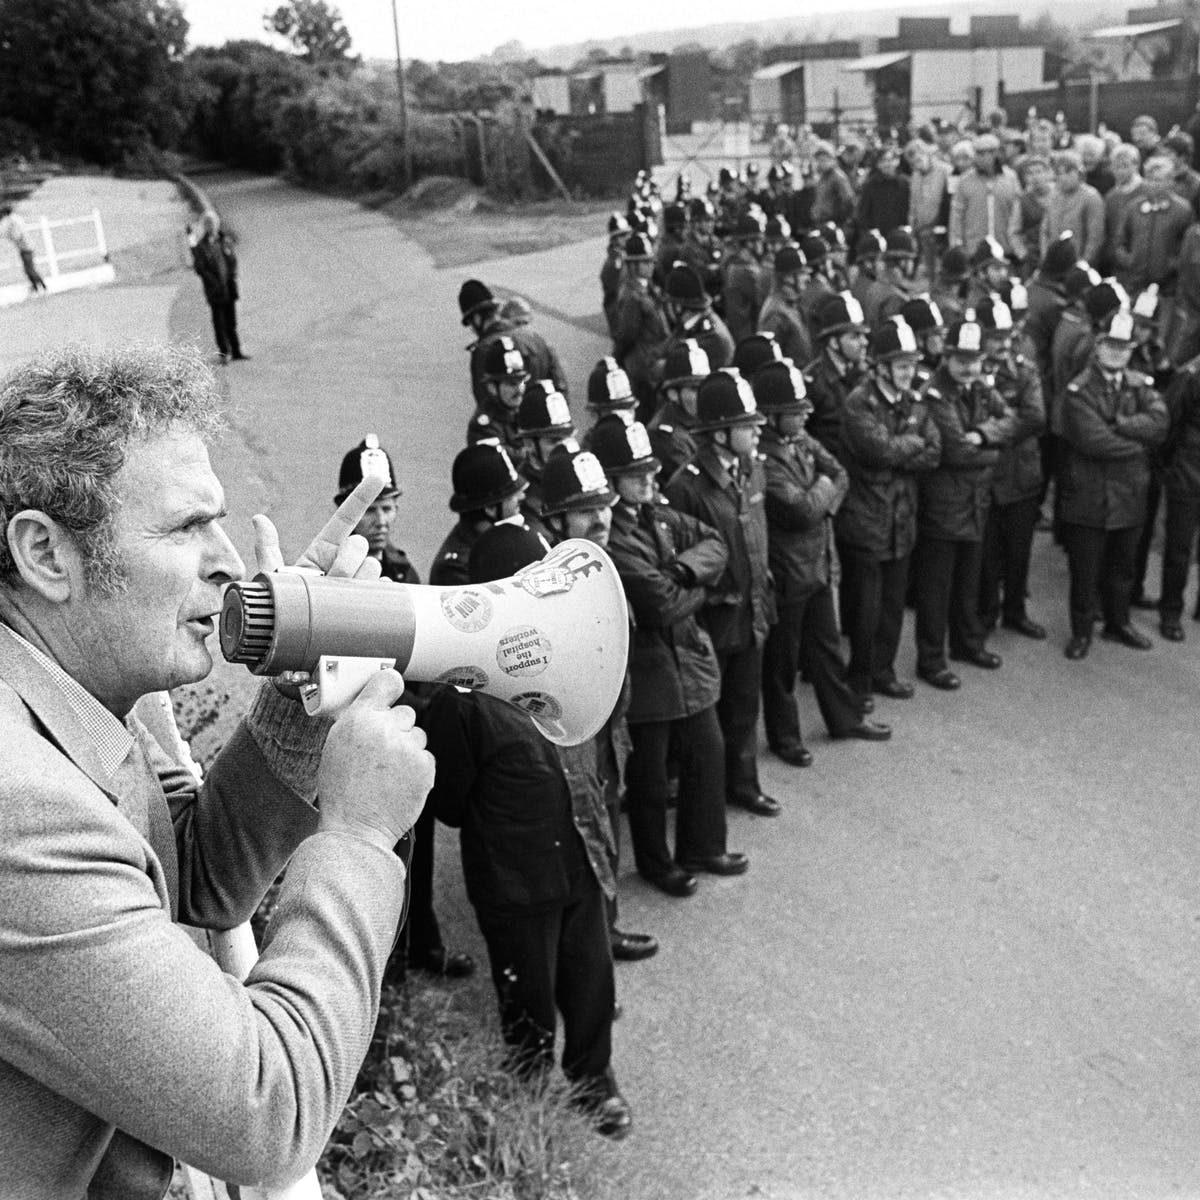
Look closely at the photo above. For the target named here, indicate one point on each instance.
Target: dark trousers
(698, 748)
(947, 580)
(549, 962)
(1146, 535)
(1101, 563)
(612, 805)
(1179, 538)
(421, 935)
(806, 635)
(31, 272)
(1007, 546)
(737, 710)
(872, 593)
(224, 319)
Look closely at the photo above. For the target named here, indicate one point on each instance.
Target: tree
(93, 79)
(316, 30)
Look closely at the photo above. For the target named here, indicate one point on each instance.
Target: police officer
(420, 943)
(1181, 486)
(725, 489)
(708, 248)
(1016, 479)
(608, 391)
(487, 489)
(950, 288)
(974, 423)
(505, 377)
(989, 271)
(670, 429)
(642, 328)
(668, 561)
(842, 333)
(1111, 419)
(743, 288)
(780, 314)
(577, 503)
(897, 267)
(820, 281)
(544, 424)
(612, 270)
(888, 441)
(805, 487)
(922, 315)
(866, 287)
(690, 314)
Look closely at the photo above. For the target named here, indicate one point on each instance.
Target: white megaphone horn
(553, 639)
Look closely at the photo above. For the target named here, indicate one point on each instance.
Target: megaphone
(553, 639)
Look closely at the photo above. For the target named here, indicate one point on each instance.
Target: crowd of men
(830, 396)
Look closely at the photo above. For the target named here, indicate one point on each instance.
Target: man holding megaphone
(122, 1046)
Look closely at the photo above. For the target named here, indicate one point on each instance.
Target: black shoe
(733, 862)
(1026, 628)
(1127, 635)
(240, 357)
(675, 881)
(979, 658)
(1171, 629)
(893, 689)
(867, 731)
(760, 805)
(610, 1115)
(442, 962)
(1145, 603)
(945, 679)
(794, 755)
(632, 947)
(1078, 648)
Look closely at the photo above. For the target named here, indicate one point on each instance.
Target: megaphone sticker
(467, 610)
(523, 651)
(470, 677)
(538, 704)
(539, 582)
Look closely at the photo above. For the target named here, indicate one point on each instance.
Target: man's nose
(224, 563)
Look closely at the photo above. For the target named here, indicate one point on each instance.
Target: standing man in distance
(215, 261)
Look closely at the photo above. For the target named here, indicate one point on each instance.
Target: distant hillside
(822, 26)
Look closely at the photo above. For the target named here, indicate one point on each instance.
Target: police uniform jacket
(671, 438)
(742, 293)
(805, 485)
(215, 261)
(780, 318)
(641, 332)
(813, 292)
(1181, 453)
(1069, 352)
(494, 420)
(949, 301)
(712, 334)
(1109, 428)
(450, 564)
(611, 274)
(828, 389)
(672, 665)
(1018, 473)
(531, 816)
(956, 495)
(541, 360)
(1047, 303)
(887, 443)
(741, 606)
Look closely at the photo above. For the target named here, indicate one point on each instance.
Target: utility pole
(408, 158)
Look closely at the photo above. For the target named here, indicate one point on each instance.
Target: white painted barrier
(65, 270)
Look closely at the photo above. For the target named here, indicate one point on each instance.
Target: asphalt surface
(963, 964)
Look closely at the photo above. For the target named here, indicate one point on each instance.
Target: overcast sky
(458, 29)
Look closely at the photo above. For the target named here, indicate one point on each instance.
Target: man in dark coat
(974, 423)
(641, 323)
(780, 314)
(805, 486)
(214, 260)
(888, 439)
(841, 330)
(667, 562)
(1111, 419)
(725, 489)
(1181, 486)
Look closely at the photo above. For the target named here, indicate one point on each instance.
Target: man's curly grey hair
(67, 419)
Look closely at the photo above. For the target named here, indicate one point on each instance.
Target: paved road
(964, 964)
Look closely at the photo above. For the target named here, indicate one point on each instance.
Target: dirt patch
(458, 224)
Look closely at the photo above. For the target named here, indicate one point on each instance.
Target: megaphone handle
(337, 680)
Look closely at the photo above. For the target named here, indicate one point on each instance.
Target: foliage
(93, 79)
(316, 30)
(468, 86)
(435, 1115)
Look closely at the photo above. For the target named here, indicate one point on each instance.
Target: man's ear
(46, 558)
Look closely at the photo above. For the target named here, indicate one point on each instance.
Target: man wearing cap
(888, 441)
(974, 423)
(805, 488)
(780, 314)
(725, 488)
(842, 333)
(1148, 242)
(833, 194)
(536, 851)
(984, 198)
(1112, 418)
(420, 944)
(670, 429)
(642, 327)
(1074, 207)
(821, 275)
(487, 489)
(668, 561)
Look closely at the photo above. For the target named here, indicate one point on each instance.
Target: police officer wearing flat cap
(726, 489)
(668, 561)
(420, 941)
(805, 487)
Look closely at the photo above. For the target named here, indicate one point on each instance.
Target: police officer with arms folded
(805, 487)
(725, 488)
(1112, 418)
(889, 439)
(668, 561)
